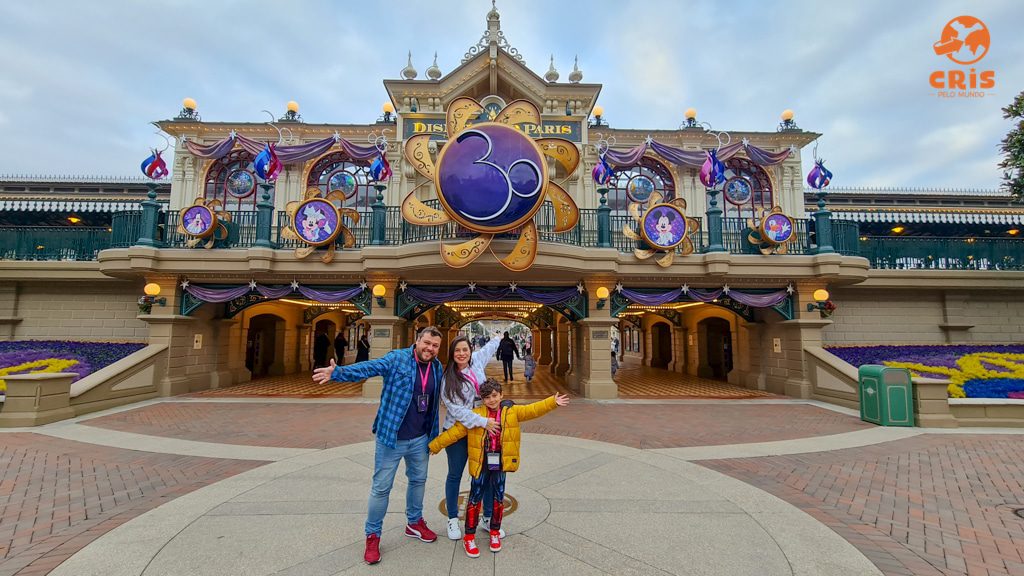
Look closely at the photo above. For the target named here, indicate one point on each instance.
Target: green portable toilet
(886, 395)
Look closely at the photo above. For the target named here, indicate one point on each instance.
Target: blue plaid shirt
(398, 368)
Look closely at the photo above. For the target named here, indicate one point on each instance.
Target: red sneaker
(495, 541)
(420, 530)
(469, 541)
(372, 553)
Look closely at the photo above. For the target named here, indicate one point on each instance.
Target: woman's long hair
(453, 378)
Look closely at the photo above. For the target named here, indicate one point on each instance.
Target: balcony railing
(78, 243)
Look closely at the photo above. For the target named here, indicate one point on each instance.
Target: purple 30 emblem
(491, 178)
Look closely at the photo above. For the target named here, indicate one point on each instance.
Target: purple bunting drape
(694, 158)
(227, 294)
(754, 300)
(286, 154)
(545, 298)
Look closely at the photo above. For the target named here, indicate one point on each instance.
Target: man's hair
(429, 330)
(488, 387)
(506, 334)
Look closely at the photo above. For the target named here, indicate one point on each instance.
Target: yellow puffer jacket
(511, 416)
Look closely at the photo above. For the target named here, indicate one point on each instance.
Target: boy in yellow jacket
(492, 454)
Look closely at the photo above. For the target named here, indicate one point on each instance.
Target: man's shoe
(372, 553)
(454, 532)
(485, 522)
(420, 530)
(469, 541)
(495, 541)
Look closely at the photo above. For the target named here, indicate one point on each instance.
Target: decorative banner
(772, 231)
(205, 294)
(316, 221)
(286, 154)
(755, 300)
(694, 159)
(602, 173)
(664, 227)
(202, 221)
(819, 176)
(267, 165)
(493, 294)
(380, 169)
(154, 167)
(492, 178)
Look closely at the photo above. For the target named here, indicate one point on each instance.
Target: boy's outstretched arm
(540, 408)
(447, 438)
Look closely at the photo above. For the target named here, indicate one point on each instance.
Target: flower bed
(994, 371)
(35, 356)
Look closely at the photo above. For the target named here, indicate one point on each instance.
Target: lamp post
(151, 290)
(264, 217)
(821, 303)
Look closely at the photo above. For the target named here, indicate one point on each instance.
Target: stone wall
(924, 316)
(78, 311)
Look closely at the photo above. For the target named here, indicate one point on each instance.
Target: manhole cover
(511, 504)
(1019, 512)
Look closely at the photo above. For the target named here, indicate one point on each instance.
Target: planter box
(988, 412)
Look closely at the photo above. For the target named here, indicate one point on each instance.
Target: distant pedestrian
(363, 349)
(530, 365)
(321, 347)
(507, 351)
(340, 345)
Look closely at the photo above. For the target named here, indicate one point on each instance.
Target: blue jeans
(458, 455)
(385, 465)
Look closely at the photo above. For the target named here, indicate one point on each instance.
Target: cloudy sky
(79, 81)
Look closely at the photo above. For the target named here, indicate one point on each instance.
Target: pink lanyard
(423, 377)
(473, 379)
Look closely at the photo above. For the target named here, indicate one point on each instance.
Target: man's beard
(420, 355)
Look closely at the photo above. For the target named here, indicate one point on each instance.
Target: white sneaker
(485, 523)
(454, 532)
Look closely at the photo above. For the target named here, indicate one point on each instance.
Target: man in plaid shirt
(406, 422)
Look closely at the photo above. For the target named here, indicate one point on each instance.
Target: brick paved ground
(57, 496)
(928, 505)
(640, 426)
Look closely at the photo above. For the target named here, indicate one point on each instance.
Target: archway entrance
(661, 345)
(716, 349)
(264, 346)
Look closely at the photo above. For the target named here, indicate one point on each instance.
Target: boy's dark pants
(496, 480)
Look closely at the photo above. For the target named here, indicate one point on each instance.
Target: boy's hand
(323, 375)
(561, 399)
(492, 425)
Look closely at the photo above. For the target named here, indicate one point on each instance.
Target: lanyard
(495, 437)
(469, 376)
(424, 375)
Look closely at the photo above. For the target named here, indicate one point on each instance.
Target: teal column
(604, 221)
(378, 223)
(823, 226)
(150, 214)
(264, 218)
(714, 223)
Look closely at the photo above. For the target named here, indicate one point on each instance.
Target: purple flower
(945, 356)
(91, 356)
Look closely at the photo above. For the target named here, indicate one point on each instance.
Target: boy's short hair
(488, 387)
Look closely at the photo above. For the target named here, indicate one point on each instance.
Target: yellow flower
(969, 367)
(47, 365)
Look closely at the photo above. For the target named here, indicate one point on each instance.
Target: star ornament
(512, 286)
(491, 178)
(618, 287)
(362, 285)
(580, 288)
(403, 285)
(295, 285)
(184, 284)
(471, 286)
(252, 284)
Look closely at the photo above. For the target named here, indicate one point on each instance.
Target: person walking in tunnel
(507, 352)
(321, 347)
(340, 345)
(407, 420)
(463, 375)
(363, 349)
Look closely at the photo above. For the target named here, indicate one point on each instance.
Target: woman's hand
(492, 425)
(561, 399)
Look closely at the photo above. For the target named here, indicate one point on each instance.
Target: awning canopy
(931, 217)
(67, 206)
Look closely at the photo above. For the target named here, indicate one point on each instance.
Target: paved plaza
(208, 485)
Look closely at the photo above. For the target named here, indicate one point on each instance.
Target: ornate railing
(52, 242)
(944, 253)
(79, 243)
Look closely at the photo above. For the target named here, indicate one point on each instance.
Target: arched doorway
(661, 345)
(715, 348)
(264, 346)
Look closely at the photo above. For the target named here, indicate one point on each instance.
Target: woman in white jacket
(463, 376)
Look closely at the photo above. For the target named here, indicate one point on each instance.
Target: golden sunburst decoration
(664, 226)
(771, 231)
(491, 178)
(203, 221)
(316, 221)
